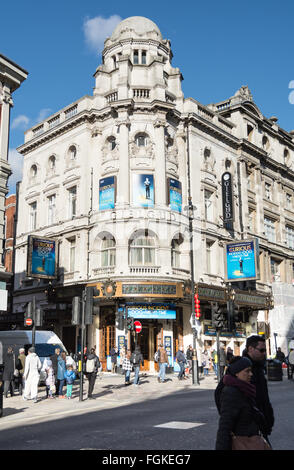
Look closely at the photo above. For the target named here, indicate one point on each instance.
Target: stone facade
(138, 125)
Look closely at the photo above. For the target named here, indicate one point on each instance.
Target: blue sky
(218, 46)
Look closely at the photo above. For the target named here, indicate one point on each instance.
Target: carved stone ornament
(171, 149)
(108, 153)
(146, 151)
(244, 93)
(208, 159)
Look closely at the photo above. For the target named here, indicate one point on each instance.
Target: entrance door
(145, 340)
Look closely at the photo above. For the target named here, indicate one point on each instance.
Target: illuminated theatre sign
(241, 260)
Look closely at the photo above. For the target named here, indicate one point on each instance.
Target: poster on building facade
(107, 193)
(175, 194)
(42, 259)
(154, 311)
(241, 260)
(143, 190)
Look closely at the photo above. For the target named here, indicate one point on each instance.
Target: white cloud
(15, 160)
(20, 122)
(45, 112)
(97, 29)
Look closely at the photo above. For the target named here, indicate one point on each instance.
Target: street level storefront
(246, 307)
(158, 306)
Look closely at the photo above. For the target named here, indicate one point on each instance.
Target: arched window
(107, 251)
(33, 171)
(176, 251)
(141, 139)
(143, 250)
(72, 152)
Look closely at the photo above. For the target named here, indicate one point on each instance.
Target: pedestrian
(70, 361)
(189, 357)
(214, 361)
(69, 377)
(50, 379)
(162, 362)
(61, 369)
(92, 367)
(127, 366)
(54, 360)
(8, 372)
(113, 354)
(222, 360)
(280, 356)
(136, 360)
(20, 366)
(256, 351)
(229, 355)
(290, 363)
(181, 360)
(240, 419)
(32, 375)
(206, 362)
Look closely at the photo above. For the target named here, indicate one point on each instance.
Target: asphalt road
(133, 425)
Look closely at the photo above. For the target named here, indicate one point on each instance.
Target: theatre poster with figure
(42, 258)
(241, 260)
(143, 190)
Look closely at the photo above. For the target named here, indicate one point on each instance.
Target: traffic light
(75, 317)
(28, 312)
(130, 324)
(218, 318)
(120, 318)
(39, 316)
(50, 293)
(197, 309)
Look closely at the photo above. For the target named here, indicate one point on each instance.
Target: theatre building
(109, 177)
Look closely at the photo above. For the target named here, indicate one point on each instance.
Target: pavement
(110, 391)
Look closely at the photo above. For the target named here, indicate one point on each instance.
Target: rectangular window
(51, 209)
(252, 220)
(288, 201)
(290, 236)
(268, 191)
(269, 229)
(208, 204)
(136, 57)
(72, 202)
(72, 254)
(144, 57)
(275, 269)
(33, 216)
(209, 256)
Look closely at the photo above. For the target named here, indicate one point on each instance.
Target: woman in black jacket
(238, 412)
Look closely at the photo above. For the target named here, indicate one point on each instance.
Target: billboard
(42, 258)
(174, 194)
(107, 193)
(154, 311)
(241, 260)
(227, 192)
(143, 190)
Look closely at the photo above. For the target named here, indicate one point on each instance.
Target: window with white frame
(72, 202)
(33, 215)
(107, 252)
(142, 250)
(270, 229)
(208, 205)
(136, 57)
(141, 139)
(176, 251)
(72, 254)
(51, 209)
(290, 236)
(275, 269)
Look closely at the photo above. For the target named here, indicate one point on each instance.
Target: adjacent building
(110, 177)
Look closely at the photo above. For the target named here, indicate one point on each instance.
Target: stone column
(123, 185)
(160, 169)
(5, 103)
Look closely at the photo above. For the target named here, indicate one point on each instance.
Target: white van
(45, 343)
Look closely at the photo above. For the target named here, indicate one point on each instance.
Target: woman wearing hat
(239, 419)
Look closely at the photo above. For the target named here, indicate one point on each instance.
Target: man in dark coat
(8, 372)
(54, 360)
(222, 360)
(136, 360)
(113, 354)
(256, 351)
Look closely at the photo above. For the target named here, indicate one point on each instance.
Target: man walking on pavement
(92, 366)
(222, 360)
(54, 360)
(181, 360)
(136, 360)
(162, 362)
(256, 352)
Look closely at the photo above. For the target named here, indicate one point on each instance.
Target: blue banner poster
(175, 195)
(143, 190)
(107, 193)
(241, 260)
(43, 258)
(154, 311)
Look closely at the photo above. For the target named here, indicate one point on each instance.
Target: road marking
(179, 425)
